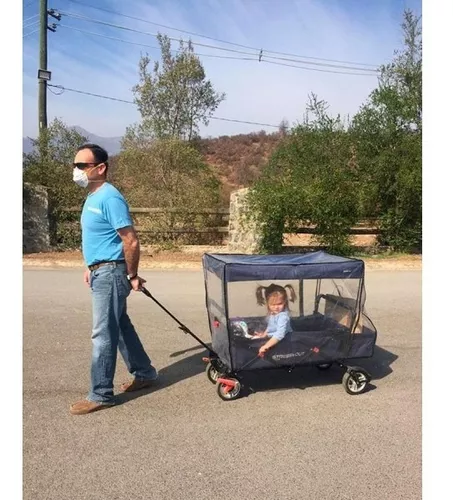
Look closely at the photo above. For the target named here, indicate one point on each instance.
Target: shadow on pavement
(379, 366)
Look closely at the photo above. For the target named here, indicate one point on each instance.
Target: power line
(151, 46)
(53, 91)
(218, 39)
(212, 55)
(66, 89)
(215, 55)
(31, 25)
(29, 18)
(31, 33)
(105, 23)
(316, 69)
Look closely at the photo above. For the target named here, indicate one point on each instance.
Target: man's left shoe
(85, 406)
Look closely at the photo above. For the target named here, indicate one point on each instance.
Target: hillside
(238, 160)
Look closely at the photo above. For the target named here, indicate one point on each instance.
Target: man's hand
(86, 277)
(137, 283)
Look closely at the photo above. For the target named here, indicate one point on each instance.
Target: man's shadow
(379, 367)
(182, 369)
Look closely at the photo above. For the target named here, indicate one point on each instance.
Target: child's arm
(270, 343)
(282, 329)
(260, 335)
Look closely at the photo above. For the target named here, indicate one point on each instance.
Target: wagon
(328, 319)
(328, 323)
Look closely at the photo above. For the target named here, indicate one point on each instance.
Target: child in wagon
(275, 297)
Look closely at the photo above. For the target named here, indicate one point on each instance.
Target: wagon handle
(181, 325)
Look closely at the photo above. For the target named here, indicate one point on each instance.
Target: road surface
(300, 436)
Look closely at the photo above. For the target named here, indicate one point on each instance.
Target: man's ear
(102, 169)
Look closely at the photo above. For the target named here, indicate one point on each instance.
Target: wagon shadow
(379, 366)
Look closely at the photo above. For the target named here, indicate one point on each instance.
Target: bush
(168, 174)
(50, 165)
(309, 180)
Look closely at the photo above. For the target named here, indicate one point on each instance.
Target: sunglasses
(83, 166)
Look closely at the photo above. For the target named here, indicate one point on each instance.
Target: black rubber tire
(231, 395)
(351, 386)
(324, 366)
(211, 373)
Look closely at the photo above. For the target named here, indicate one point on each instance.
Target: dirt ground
(190, 258)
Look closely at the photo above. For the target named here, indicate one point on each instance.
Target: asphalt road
(300, 436)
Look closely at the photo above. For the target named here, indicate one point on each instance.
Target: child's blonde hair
(265, 293)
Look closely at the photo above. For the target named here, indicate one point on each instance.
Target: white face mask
(80, 177)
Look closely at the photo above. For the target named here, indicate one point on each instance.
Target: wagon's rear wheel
(355, 381)
(229, 391)
(212, 373)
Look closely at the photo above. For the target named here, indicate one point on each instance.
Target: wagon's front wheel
(228, 388)
(355, 381)
(212, 373)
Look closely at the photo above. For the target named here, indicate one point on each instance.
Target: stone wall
(243, 235)
(35, 221)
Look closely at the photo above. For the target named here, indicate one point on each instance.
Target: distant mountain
(111, 144)
(27, 146)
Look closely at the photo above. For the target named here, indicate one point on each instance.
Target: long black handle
(181, 325)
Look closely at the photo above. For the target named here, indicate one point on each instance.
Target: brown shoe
(137, 384)
(85, 406)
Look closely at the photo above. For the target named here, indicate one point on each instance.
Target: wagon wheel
(355, 382)
(211, 373)
(324, 366)
(229, 392)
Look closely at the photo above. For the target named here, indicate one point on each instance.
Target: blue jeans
(112, 329)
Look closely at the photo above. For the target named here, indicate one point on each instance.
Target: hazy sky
(345, 30)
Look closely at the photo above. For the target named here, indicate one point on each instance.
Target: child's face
(276, 304)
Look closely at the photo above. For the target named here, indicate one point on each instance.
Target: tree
(283, 127)
(176, 97)
(309, 179)
(54, 171)
(171, 174)
(388, 134)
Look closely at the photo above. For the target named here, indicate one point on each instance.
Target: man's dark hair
(100, 155)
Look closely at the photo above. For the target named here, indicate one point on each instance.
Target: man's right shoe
(137, 384)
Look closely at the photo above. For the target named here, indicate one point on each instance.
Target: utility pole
(42, 95)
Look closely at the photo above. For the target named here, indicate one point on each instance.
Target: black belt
(104, 262)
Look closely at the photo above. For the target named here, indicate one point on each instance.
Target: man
(111, 251)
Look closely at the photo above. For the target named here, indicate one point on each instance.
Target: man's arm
(116, 212)
(131, 247)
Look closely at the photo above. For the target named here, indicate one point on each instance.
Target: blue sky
(350, 30)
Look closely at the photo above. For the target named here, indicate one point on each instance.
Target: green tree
(53, 170)
(171, 174)
(176, 97)
(388, 134)
(310, 179)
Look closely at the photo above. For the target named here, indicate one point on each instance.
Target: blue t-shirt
(279, 325)
(104, 211)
